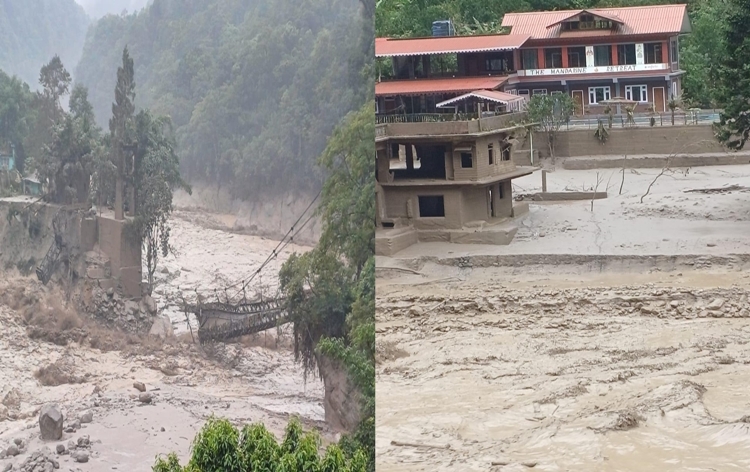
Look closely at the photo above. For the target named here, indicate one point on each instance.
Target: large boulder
(51, 423)
(162, 328)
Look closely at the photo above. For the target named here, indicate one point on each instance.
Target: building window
(505, 157)
(626, 54)
(653, 53)
(513, 92)
(524, 92)
(577, 57)
(432, 206)
(467, 161)
(491, 153)
(602, 56)
(539, 92)
(675, 51)
(556, 92)
(496, 64)
(675, 91)
(553, 58)
(529, 59)
(638, 93)
(597, 94)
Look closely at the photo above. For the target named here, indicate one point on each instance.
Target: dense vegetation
(220, 447)
(32, 31)
(253, 87)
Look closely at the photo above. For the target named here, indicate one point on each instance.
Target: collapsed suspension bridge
(222, 321)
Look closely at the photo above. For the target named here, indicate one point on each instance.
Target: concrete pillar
(409, 157)
(118, 200)
(544, 180)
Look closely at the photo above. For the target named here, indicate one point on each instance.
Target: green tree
(55, 81)
(66, 163)
(156, 177)
(330, 290)
(220, 447)
(17, 115)
(702, 52)
(550, 112)
(733, 128)
(121, 126)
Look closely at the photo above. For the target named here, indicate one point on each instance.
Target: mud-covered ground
(497, 369)
(51, 353)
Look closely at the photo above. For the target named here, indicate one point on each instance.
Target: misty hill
(254, 87)
(99, 8)
(32, 31)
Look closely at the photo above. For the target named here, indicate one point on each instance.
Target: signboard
(593, 70)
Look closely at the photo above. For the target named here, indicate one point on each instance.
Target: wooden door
(659, 102)
(578, 100)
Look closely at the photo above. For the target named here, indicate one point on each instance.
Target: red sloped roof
(433, 86)
(653, 19)
(389, 47)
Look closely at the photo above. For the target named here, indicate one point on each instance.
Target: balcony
(463, 127)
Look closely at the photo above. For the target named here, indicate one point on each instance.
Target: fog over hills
(98, 8)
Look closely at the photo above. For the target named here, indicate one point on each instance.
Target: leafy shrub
(220, 447)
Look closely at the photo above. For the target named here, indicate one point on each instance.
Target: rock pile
(114, 310)
(41, 460)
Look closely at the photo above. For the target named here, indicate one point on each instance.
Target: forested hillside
(32, 31)
(99, 8)
(254, 87)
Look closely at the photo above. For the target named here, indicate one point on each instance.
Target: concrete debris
(139, 386)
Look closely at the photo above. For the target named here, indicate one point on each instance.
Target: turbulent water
(490, 370)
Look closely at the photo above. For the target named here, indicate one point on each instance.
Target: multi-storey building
(592, 55)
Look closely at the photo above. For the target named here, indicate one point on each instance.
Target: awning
(390, 47)
(435, 86)
(491, 95)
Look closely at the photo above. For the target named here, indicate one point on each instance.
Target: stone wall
(659, 140)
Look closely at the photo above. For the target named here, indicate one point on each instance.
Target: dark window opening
(653, 53)
(431, 206)
(577, 57)
(529, 59)
(429, 163)
(675, 51)
(499, 63)
(467, 161)
(553, 58)
(500, 191)
(626, 54)
(492, 202)
(491, 153)
(602, 56)
(388, 224)
(506, 153)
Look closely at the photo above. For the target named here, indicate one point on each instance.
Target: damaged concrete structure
(447, 181)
